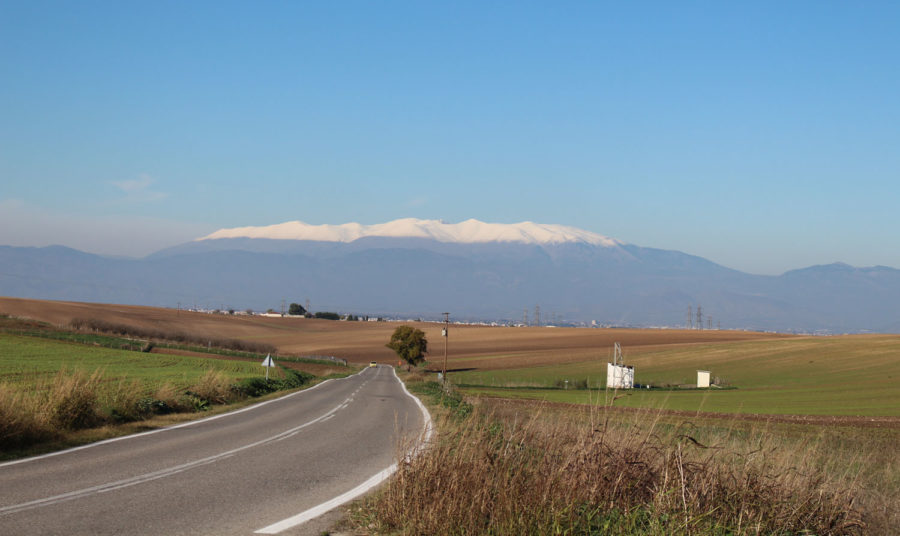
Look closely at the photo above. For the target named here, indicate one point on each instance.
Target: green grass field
(26, 362)
(850, 375)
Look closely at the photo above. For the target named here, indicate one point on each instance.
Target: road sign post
(268, 362)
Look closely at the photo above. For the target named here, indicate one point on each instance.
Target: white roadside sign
(268, 362)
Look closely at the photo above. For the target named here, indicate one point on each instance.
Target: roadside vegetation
(53, 388)
(527, 467)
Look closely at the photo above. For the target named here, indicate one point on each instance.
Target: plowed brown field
(470, 347)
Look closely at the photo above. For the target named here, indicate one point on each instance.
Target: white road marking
(162, 473)
(361, 489)
(174, 427)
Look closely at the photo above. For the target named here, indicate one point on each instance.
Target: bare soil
(469, 347)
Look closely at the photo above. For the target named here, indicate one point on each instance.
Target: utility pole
(525, 317)
(699, 318)
(446, 333)
(282, 307)
(708, 321)
(178, 313)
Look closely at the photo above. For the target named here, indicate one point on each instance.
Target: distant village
(295, 310)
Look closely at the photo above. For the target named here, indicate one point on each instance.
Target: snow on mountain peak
(469, 231)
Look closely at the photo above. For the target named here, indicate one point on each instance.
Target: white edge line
(361, 489)
(173, 427)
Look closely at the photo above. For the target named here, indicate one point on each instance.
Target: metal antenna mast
(446, 333)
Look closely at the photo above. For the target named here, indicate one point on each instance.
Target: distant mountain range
(478, 271)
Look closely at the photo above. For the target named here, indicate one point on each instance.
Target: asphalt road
(237, 473)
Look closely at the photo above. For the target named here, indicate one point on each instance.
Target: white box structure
(619, 376)
(702, 379)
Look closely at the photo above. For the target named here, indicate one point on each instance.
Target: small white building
(619, 376)
(702, 379)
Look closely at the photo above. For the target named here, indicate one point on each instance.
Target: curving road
(264, 469)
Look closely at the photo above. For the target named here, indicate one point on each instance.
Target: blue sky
(763, 136)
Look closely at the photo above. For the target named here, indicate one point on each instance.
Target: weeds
(73, 401)
(531, 474)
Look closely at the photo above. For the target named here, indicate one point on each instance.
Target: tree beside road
(410, 344)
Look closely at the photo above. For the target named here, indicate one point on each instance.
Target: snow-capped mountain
(476, 270)
(468, 232)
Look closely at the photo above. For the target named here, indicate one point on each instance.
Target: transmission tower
(690, 317)
(525, 316)
(699, 317)
(537, 315)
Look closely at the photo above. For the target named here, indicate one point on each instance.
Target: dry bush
(72, 401)
(212, 387)
(171, 396)
(20, 419)
(486, 476)
(124, 401)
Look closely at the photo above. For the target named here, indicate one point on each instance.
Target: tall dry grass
(76, 400)
(535, 475)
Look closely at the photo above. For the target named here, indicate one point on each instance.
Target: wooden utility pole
(446, 333)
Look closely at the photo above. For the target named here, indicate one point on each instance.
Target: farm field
(26, 362)
(478, 347)
(769, 373)
(846, 375)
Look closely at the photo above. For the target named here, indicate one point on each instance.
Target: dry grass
(540, 474)
(75, 400)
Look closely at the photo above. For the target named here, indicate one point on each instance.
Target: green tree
(410, 345)
(296, 309)
(327, 315)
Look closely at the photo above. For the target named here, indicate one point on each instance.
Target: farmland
(765, 373)
(26, 362)
(851, 375)
(831, 399)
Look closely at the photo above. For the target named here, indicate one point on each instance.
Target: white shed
(702, 379)
(619, 376)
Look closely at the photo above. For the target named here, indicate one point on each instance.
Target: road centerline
(162, 473)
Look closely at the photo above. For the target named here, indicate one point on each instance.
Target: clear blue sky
(762, 135)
